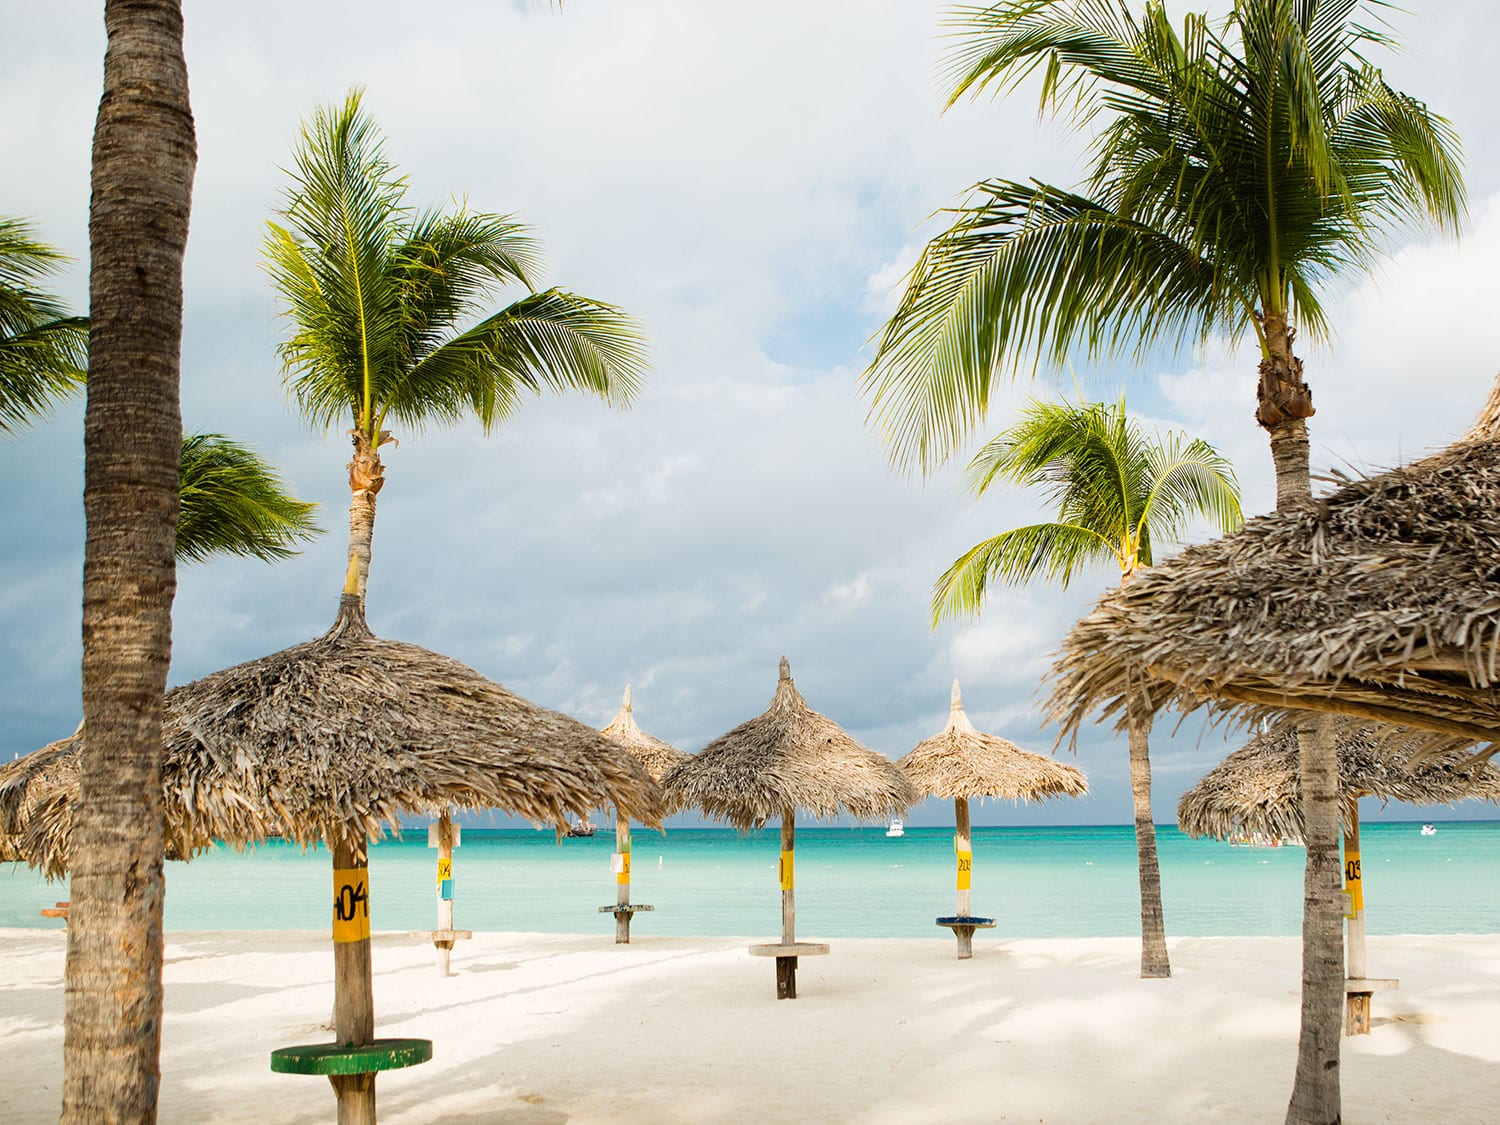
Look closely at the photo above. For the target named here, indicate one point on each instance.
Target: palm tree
(43, 350)
(378, 293)
(1116, 493)
(1237, 167)
(233, 502)
(144, 158)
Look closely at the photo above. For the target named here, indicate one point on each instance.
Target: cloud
(751, 182)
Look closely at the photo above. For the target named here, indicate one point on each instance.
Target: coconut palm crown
(1236, 167)
(1115, 490)
(388, 310)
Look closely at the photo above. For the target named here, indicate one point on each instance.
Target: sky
(751, 182)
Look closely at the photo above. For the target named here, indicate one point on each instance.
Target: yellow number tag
(786, 871)
(351, 904)
(445, 869)
(965, 863)
(622, 867)
(1353, 884)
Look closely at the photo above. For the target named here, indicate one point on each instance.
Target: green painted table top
(335, 1058)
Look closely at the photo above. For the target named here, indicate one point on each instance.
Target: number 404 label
(351, 904)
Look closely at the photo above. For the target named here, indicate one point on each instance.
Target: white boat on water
(1429, 829)
(896, 828)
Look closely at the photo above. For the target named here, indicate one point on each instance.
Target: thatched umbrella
(36, 791)
(1254, 793)
(656, 758)
(336, 740)
(1380, 601)
(788, 758)
(962, 763)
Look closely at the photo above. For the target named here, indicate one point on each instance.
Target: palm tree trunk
(1316, 1098)
(1154, 961)
(143, 162)
(366, 477)
(1285, 402)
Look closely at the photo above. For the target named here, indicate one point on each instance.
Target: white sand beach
(543, 1029)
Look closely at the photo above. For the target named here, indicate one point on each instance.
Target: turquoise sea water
(851, 882)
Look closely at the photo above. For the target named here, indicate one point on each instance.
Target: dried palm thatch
(1380, 601)
(962, 762)
(1254, 792)
(339, 738)
(789, 758)
(655, 756)
(34, 793)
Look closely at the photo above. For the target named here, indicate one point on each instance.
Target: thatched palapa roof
(1380, 601)
(960, 761)
(1254, 791)
(35, 790)
(654, 755)
(344, 735)
(793, 758)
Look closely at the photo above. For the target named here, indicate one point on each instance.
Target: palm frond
(343, 215)
(554, 340)
(1116, 492)
(233, 502)
(43, 350)
(1026, 272)
(1188, 480)
(1051, 550)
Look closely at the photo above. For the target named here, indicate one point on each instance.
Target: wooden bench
(58, 911)
(963, 927)
(786, 962)
(1357, 993)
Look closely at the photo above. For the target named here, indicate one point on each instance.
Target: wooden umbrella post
(789, 948)
(444, 835)
(623, 909)
(353, 987)
(622, 878)
(786, 967)
(352, 1060)
(445, 891)
(964, 923)
(963, 851)
(1358, 987)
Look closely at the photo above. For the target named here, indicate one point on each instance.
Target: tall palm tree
(144, 158)
(1116, 493)
(1237, 167)
(378, 295)
(43, 350)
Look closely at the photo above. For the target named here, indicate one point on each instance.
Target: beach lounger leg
(786, 978)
